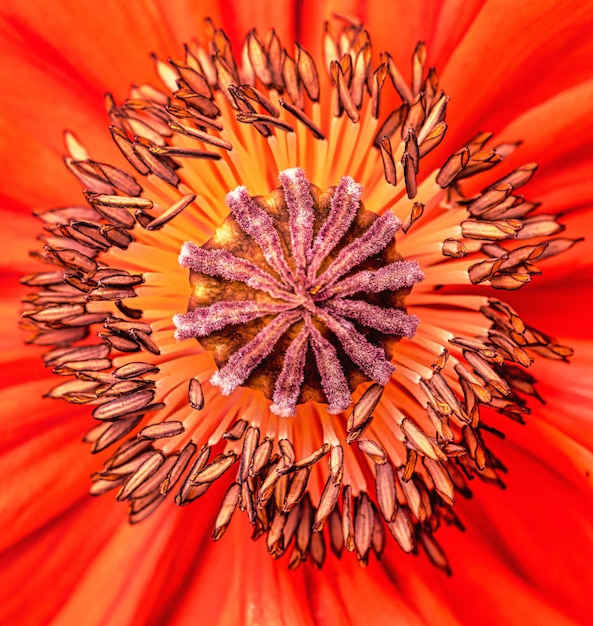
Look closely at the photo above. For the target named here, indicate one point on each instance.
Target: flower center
(299, 300)
(304, 296)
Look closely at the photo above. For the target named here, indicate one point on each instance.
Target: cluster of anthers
(299, 298)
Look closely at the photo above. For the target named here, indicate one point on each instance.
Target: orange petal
(497, 70)
(40, 450)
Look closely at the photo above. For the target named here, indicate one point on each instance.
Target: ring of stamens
(425, 437)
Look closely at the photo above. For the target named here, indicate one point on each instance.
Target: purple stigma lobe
(289, 383)
(389, 321)
(259, 225)
(391, 277)
(301, 214)
(343, 207)
(245, 360)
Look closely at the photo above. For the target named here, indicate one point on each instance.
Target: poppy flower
(301, 295)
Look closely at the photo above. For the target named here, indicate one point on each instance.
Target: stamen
(308, 73)
(363, 528)
(229, 504)
(202, 136)
(373, 450)
(156, 165)
(363, 412)
(252, 118)
(386, 496)
(302, 117)
(388, 162)
(173, 211)
(195, 395)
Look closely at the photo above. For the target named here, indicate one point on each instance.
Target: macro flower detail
(314, 288)
(300, 302)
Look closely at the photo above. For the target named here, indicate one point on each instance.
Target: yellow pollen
(223, 234)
